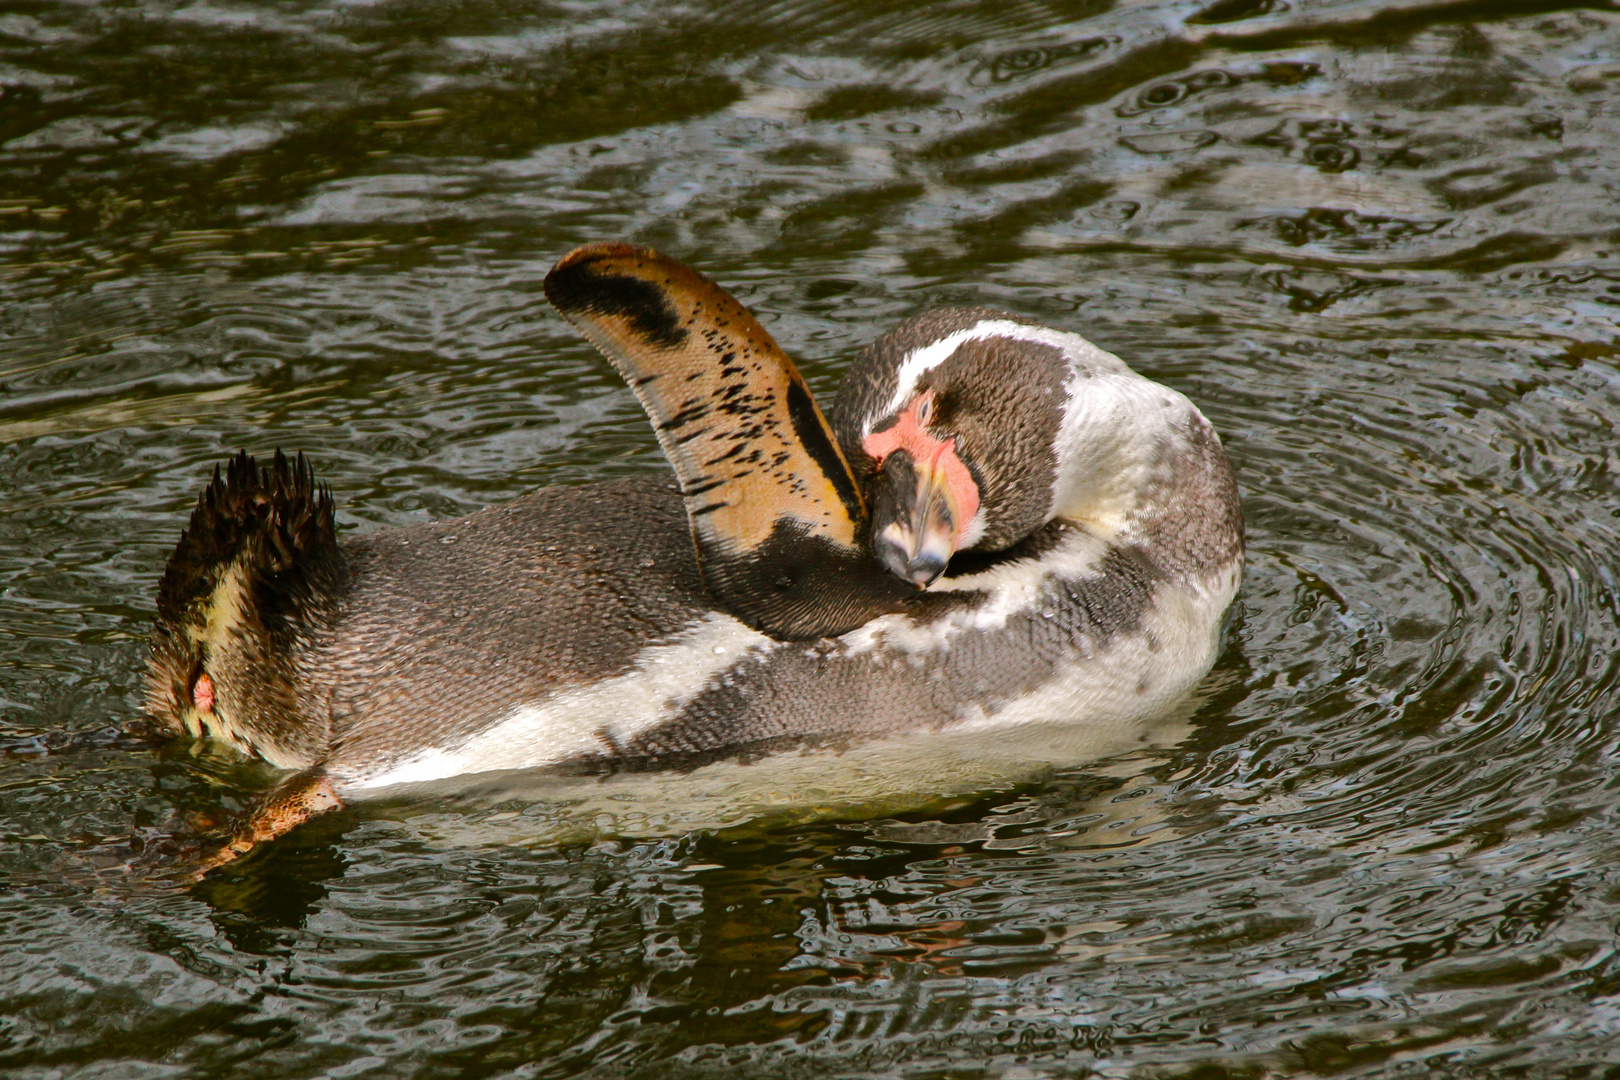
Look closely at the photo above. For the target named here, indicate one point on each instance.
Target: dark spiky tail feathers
(255, 577)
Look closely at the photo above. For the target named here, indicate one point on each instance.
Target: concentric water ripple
(1377, 244)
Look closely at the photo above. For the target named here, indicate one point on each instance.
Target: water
(1377, 244)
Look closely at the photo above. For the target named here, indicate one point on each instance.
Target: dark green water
(1380, 245)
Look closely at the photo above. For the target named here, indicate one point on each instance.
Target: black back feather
(275, 515)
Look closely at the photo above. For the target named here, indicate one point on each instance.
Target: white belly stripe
(576, 720)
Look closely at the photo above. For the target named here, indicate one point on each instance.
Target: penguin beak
(915, 518)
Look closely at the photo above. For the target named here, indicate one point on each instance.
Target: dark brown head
(970, 429)
(955, 414)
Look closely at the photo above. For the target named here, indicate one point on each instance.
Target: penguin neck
(1118, 434)
(1139, 466)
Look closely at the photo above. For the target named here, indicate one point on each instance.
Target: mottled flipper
(294, 801)
(780, 524)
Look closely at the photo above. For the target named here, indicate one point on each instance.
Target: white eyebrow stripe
(930, 356)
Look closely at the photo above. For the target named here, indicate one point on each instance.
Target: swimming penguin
(1000, 523)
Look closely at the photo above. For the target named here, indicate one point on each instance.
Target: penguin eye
(925, 410)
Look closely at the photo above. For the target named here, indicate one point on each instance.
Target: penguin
(999, 523)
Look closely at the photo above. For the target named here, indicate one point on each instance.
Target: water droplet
(1169, 142)
(1155, 97)
(1332, 157)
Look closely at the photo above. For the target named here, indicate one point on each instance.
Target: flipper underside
(779, 520)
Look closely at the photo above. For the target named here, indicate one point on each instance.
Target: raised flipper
(779, 521)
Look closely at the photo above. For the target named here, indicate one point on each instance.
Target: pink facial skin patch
(909, 433)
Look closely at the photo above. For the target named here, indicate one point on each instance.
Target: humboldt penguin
(1000, 523)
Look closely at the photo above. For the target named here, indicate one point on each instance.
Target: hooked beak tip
(920, 566)
(915, 510)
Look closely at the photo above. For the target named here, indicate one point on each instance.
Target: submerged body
(1060, 535)
(570, 627)
(1068, 628)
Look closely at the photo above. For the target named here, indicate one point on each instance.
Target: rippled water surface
(1380, 245)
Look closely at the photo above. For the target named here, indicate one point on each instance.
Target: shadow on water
(1377, 243)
